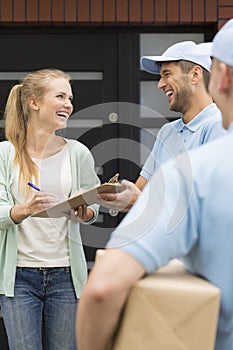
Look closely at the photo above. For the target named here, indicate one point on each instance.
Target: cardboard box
(169, 310)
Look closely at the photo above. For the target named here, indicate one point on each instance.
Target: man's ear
(196, 74)
(225, 78)
(33, 104)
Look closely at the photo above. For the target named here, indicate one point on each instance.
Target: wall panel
(185, 11)
(19, 11)
(32, 15)
(135, 11)
(58, 11)
(70, 11)
(160, 12)
(173, 11)
(198, 11)
(96, 13)
(115, 12)
(7, 11)
(211, 10)
(122, 12)
(148, 11)
(83, 12)
(45, 11)
(109, 9)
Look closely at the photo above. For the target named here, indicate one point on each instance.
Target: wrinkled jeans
(42, 296)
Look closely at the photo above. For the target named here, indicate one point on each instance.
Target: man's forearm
(103, 298)
(97, 320)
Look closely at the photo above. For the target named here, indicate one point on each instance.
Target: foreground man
(199, 232)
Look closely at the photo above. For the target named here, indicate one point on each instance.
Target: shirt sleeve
(5, 202)
(149, 167)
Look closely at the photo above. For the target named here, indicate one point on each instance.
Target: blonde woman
(42, 263)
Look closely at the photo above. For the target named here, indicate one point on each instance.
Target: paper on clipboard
(86, 198)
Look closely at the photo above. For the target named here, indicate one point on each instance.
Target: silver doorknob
(113, 117)
(113, 213)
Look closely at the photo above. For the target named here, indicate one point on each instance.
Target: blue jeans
(45, 297)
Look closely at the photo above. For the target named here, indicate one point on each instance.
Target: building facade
(117, 108)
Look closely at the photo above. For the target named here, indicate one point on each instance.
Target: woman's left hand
(81, 213)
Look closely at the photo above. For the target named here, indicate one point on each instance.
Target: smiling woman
(42, 265)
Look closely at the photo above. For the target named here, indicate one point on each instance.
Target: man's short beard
(182, 100)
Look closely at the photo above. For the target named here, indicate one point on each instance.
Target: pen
(34, 186)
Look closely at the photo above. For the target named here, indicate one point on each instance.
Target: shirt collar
(196, 123)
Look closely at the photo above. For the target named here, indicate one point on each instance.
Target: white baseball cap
(177, 52)
(222, 45)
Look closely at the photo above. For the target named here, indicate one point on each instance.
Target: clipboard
(86, 198)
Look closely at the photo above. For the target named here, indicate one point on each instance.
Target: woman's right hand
(40, 201)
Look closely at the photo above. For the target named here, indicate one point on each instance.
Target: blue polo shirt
(176, 137)
(187, 213)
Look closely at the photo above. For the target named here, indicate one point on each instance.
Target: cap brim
(149, 63)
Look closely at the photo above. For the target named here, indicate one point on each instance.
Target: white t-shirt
(43, 242)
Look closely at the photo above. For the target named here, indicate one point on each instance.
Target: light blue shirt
(187, 213)
(176, 137)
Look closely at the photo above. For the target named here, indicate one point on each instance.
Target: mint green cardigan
(83, 176)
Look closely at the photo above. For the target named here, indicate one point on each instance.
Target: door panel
(91, 60)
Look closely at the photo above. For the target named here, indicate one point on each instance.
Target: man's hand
(122, 201)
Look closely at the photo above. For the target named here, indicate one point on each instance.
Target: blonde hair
(17, 114)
